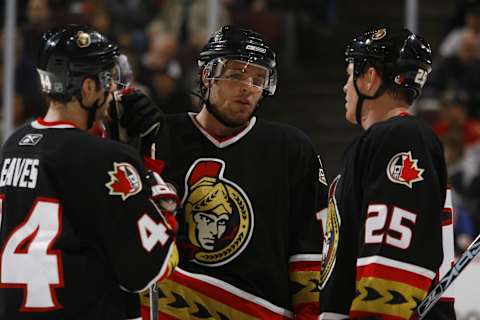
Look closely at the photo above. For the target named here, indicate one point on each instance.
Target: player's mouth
(243, 102)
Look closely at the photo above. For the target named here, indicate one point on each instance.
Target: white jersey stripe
(305, 257)
(332, 316)
(225, 143)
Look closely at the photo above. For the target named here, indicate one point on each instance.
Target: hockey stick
(153, 289)
(442, 286)
(153, 293)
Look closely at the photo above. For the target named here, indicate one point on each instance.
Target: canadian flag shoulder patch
(403, 169)
(124, 180)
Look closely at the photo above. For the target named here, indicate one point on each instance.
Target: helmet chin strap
(362, 97)
(92, 111)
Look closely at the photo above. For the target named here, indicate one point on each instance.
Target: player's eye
(234, 76)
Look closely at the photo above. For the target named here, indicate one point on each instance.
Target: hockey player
(77, 218)
(388, 231)
(251, 190)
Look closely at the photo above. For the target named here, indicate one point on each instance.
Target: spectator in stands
(454, 118)
(451, 43)
(26, 79)
(463, 224)
(459, 73)
(188, 20)
(39, 20)
(162, 73)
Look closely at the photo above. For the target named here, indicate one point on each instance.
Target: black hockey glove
(141, 116)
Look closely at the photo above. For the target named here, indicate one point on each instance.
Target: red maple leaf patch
(409, 171)
(403, 169)
(124, 180)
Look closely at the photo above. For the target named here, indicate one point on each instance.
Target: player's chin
(350, 116)
(240, 118)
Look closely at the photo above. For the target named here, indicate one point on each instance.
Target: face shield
(123, 73)
(258, 77)
(58, 82)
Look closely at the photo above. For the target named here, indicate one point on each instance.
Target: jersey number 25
(384, 224)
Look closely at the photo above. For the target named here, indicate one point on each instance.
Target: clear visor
(122, 72)
(56, 83)
(257, 77)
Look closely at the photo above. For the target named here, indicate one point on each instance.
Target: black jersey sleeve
(402, 238)
(136, 238)
(309, 199)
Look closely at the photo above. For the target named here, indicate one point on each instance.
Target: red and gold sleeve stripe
(304, 270)
(186, 295)
(389, 289)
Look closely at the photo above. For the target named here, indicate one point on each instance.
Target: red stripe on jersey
(447, 222)
(447, 299)
(224, 296)
(55, 123)
(298, 266)
(307, 311)
(447, 216)
(394, 274)
(145, 313)
(369, 315)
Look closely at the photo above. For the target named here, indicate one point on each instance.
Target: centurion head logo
(331, 234)
(403, 169)
(83, 39)
(218, 213)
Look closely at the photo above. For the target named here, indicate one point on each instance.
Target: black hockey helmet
(403, 58)
(70, 54)
(231, 42)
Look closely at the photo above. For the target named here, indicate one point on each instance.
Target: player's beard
(230, 123)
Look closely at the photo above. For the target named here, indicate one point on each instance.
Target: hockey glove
(140, 115)
(163, 193)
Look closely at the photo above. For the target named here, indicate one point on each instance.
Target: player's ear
(373, 78)
(88, 86)
(205, 76)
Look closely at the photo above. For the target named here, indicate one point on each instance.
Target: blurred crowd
(161, 39)
(451, 103)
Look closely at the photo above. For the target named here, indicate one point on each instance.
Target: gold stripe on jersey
(386, 297)
(181, 302)
(306, 283)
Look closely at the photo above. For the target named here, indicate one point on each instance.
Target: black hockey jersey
(77, 225)
(250, 238)
(388, 231)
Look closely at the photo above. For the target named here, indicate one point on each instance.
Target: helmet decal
(380, 34)
(83, 39)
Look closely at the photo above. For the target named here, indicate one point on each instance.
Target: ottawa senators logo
(330, 235)
(83, 39)
(403, 169)
(379, 34)
(218, 214)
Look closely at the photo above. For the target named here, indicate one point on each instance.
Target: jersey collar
(225, 141)
(39, 123)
